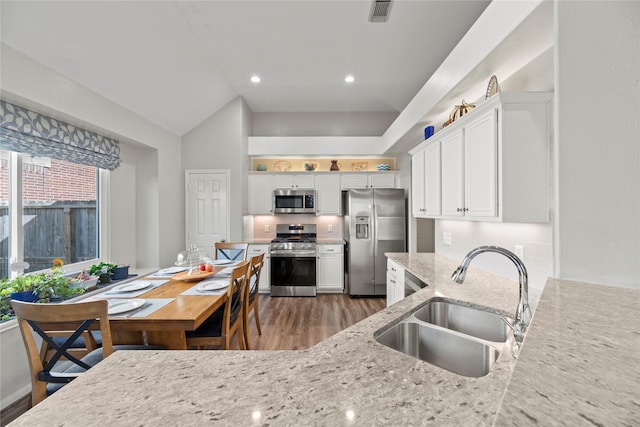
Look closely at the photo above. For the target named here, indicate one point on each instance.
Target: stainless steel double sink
(449, 334)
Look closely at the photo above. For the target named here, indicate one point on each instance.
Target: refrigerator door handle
(375, 230)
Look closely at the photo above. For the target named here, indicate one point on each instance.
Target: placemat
(166, 273)
(133, 294)
(194, 291)
(150, 306)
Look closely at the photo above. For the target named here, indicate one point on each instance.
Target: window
(57, 201)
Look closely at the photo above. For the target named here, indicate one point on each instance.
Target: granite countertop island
(350, 379)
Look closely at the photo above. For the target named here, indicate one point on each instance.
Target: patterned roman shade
(25, 131)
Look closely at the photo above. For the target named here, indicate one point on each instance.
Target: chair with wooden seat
(230, 250)
(47, 320)
(251, 296)
(220, 327)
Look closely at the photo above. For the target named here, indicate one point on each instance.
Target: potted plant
(120, 272)
(104, 270)
(40, 287)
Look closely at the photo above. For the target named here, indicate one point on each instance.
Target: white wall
(322, 124)
(29, 83)
(219, 143)
(537, 240)
(151, 178)
(598, 132)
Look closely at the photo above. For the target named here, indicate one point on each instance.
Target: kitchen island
(350, 379)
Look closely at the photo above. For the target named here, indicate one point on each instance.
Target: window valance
(28, 132)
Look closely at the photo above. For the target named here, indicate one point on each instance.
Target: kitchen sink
(467, 320)
(440, 347)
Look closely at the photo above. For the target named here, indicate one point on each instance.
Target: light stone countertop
(330, 241)
(348, 379)
(580, 363)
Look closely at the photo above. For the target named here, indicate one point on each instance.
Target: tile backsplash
(260, 227)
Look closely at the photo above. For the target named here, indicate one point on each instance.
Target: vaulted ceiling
(177, 63)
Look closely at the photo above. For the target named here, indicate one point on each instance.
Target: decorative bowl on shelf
(383, 167)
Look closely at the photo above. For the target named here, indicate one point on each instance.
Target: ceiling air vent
(380, 10)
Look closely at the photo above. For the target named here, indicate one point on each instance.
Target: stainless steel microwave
(294, 201)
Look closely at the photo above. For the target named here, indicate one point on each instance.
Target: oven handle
(298, 254)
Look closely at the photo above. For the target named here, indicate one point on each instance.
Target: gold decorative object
(282, 166)
(459, 111)
(359, 166)
(492, 88)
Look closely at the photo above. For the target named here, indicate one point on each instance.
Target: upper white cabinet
(452, 170)
(368, 180)
(494, 163)
(293, 181)
(328, 194)
(261, 194)
(425, 181)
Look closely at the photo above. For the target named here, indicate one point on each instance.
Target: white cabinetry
(494, 163)
(395, 282)
(292, 181)
(425, 181)
(330, 268)
(328, 194)
(452, 168)
(261, 194)
(368, 180)
(265, 275)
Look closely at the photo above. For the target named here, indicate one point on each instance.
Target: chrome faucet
(523, 311)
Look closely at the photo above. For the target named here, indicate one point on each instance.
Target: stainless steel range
(293, 261)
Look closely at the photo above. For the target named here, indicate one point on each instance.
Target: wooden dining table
(167, 326)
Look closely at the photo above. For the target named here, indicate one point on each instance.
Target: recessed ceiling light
(255, 79)
(349, 79)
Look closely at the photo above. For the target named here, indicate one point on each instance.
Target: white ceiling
(177, 63)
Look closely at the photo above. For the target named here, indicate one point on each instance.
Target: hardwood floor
(295, 323)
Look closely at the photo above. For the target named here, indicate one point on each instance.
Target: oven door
(293, 273)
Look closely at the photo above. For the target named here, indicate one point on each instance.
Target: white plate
(117, 306)
(130, 287)
(172, 270)
(212, 285)
(221, 261)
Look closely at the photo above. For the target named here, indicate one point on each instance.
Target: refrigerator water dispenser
(362, 227)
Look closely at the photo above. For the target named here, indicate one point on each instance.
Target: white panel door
(452, 170)
(432, 185)
(417, 184)
(207, 209)
(481, 166)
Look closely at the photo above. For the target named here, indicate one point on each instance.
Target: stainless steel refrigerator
(374, 223)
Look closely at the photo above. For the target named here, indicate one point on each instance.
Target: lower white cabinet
(265, 275)
(395, 282)
(330, 268)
